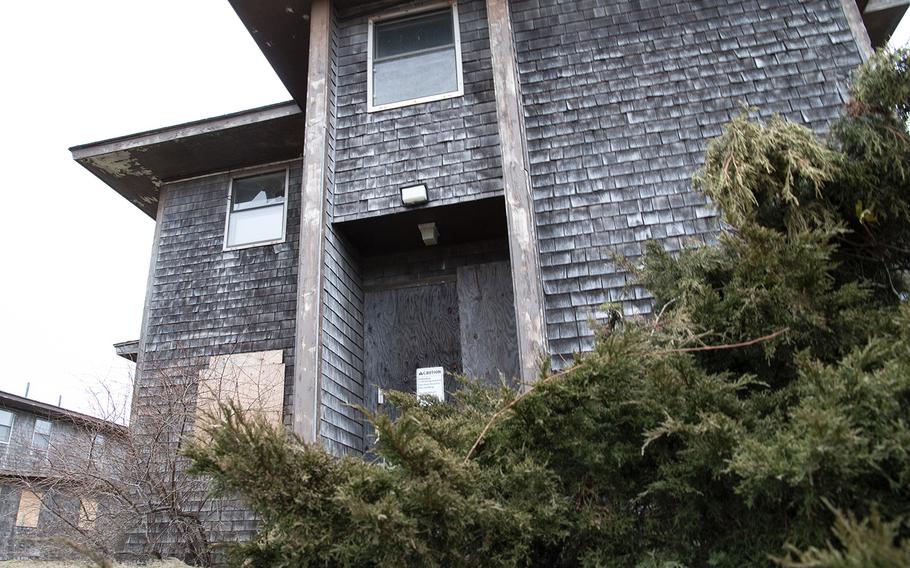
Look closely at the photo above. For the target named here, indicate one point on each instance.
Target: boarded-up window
(255, 381)
(88, 512)
(29, 509)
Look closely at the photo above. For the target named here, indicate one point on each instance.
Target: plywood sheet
(255, 381)
(88, 512)
(407, 328)
(487, 321)
(29, 509)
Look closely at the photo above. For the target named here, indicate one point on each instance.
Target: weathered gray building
(40, 445)
(449, 185)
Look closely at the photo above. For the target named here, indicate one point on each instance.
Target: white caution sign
(431, 382)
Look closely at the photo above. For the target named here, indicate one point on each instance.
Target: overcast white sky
(74, 255)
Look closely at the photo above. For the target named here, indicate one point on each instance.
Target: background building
(52, 462)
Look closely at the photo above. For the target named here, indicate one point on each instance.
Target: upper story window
(41, 439)
(414, 57)
(257, 211)
(96, 452)
(6, 426)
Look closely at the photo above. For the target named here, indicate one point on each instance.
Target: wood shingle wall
(451, 145)
(206, 302)
(620, 99)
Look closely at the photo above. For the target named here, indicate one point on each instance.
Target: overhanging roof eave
(136, 166)
(185, 130)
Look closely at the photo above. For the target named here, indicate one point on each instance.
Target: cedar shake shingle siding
(451, 145)
(205, 301)
(620, 99)
(341, 426)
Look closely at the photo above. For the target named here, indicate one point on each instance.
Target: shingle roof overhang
(135, 166)
(281, 29)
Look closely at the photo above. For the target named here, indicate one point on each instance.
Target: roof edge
(185, 130)
(49, 410)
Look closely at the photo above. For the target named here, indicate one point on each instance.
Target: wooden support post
(311, 246)
(858, 28)
(523, 250)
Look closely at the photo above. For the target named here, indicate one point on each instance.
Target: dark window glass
(6, 426)
(41, 439)
(258, 191)
(414, 57)
(412, 34)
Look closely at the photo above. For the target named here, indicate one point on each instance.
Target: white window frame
(459, 67)
(284, 216)
(12, 425)
(96, 451)
(50, 431)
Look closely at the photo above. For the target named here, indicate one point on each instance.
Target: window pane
(258, 191)
(42, 426)
(406, 35)
(41, 441)
(42, 437)
(414, 77)
(6, 426)
(97, 450)
(256, 225)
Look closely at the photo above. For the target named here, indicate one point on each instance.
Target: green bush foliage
(763, 416)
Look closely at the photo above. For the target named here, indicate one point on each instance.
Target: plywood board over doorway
(408, 328)
(486, 306)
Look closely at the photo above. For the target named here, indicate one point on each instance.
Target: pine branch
(516, 400)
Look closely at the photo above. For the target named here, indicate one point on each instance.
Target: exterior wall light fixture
(414, 195)
(429, 233)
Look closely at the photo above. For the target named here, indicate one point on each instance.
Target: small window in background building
(256, 214)
(41, 439)
(96, 452)
(88, 512)
(6, 426)
(414, 58)
(29, 509)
